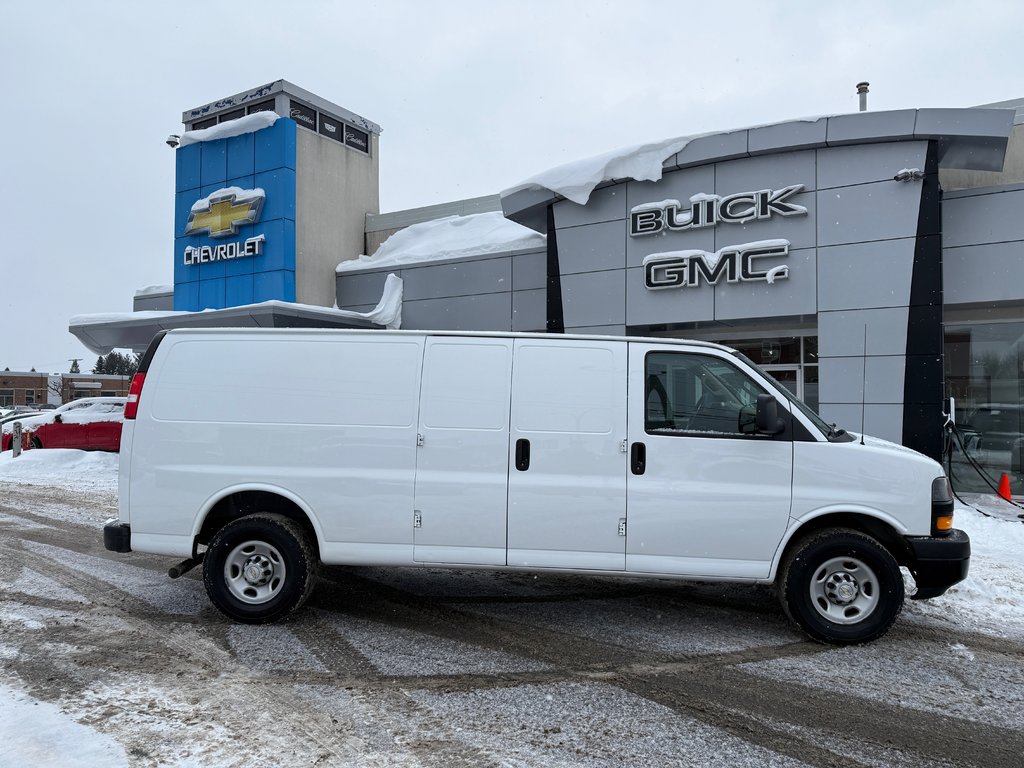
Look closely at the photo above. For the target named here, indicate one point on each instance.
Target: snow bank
(990, 599)
(451, 237)
(37, 733)
(73, 470)
(248, 124)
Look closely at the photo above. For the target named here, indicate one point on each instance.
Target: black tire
(841, 586)
(36, 442)
(260, 568)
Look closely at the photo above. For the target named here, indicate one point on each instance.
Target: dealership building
(872, 262)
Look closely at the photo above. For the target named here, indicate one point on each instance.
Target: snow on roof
(248, 124)
(576, 180)
(150, 290)
(640, 162)
(388, 311)
(451, 237)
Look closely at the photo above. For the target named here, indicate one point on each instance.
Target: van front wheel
(259, 568)
(841, 586)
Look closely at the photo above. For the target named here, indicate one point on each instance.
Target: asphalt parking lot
(404, 667)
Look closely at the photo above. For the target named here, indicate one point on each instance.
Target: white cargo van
(263, 453)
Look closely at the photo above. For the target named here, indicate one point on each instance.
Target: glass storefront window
(775, 351)
(984, 371)
(792, 360)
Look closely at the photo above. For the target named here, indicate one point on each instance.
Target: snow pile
(452, 237)
(248, 124)
(388, 311)
(73, 470)
(37, 733)
(576, 180)
(990, 599)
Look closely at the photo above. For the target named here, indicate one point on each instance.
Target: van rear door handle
(638, 458)
(522, 454)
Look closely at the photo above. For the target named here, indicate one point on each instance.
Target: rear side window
(696, 395)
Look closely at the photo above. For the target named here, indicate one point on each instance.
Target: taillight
(134, 393)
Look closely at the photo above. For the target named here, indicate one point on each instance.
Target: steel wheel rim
(254, 572)
(844, 590)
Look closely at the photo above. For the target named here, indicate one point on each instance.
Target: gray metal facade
(865, 259)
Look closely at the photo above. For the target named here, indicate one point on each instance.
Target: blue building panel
(186, 297)
(279, 185)
(242, 182)
(270, 286)
(279, 247)
(183, 273)
(275, 146)
(238, 290)
(182, 207)
(211, 294)
(186, 167)
(241, 155)
(264, 159)
(214, 270)
(214, 162)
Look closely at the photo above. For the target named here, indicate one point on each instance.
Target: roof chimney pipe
(862, 91)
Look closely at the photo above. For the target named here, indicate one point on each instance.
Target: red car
(89, 424)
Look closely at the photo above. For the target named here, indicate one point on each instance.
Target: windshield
(826, 429)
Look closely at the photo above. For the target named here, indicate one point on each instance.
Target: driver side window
(696, 395)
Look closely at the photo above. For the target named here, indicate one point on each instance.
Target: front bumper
(117, 536)
(938, 562)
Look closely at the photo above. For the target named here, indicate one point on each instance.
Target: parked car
(90, 424)
(996, 426)
(12, 416)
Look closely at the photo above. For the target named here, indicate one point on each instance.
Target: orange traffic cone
(1004, 487)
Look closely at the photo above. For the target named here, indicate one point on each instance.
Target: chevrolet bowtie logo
(223, 212)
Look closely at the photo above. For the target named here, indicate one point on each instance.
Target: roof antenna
(864, 385)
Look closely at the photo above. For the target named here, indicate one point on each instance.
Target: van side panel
(330, 420)
(462, 466)
(838, 477)
(569, 405)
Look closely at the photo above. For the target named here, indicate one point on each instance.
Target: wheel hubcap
(254, 572)
(845, 590)
(258, 570)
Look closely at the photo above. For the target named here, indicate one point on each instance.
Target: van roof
(178, 332)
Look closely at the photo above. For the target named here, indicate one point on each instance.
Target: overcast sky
(472, 96)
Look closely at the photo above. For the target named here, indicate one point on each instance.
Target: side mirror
(57, 418)
(767, 416)
(747, 420)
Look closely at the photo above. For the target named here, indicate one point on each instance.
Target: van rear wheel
(841, 586)
(259, 568)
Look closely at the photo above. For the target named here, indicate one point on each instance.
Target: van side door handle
(638, 458)
(522, 454)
